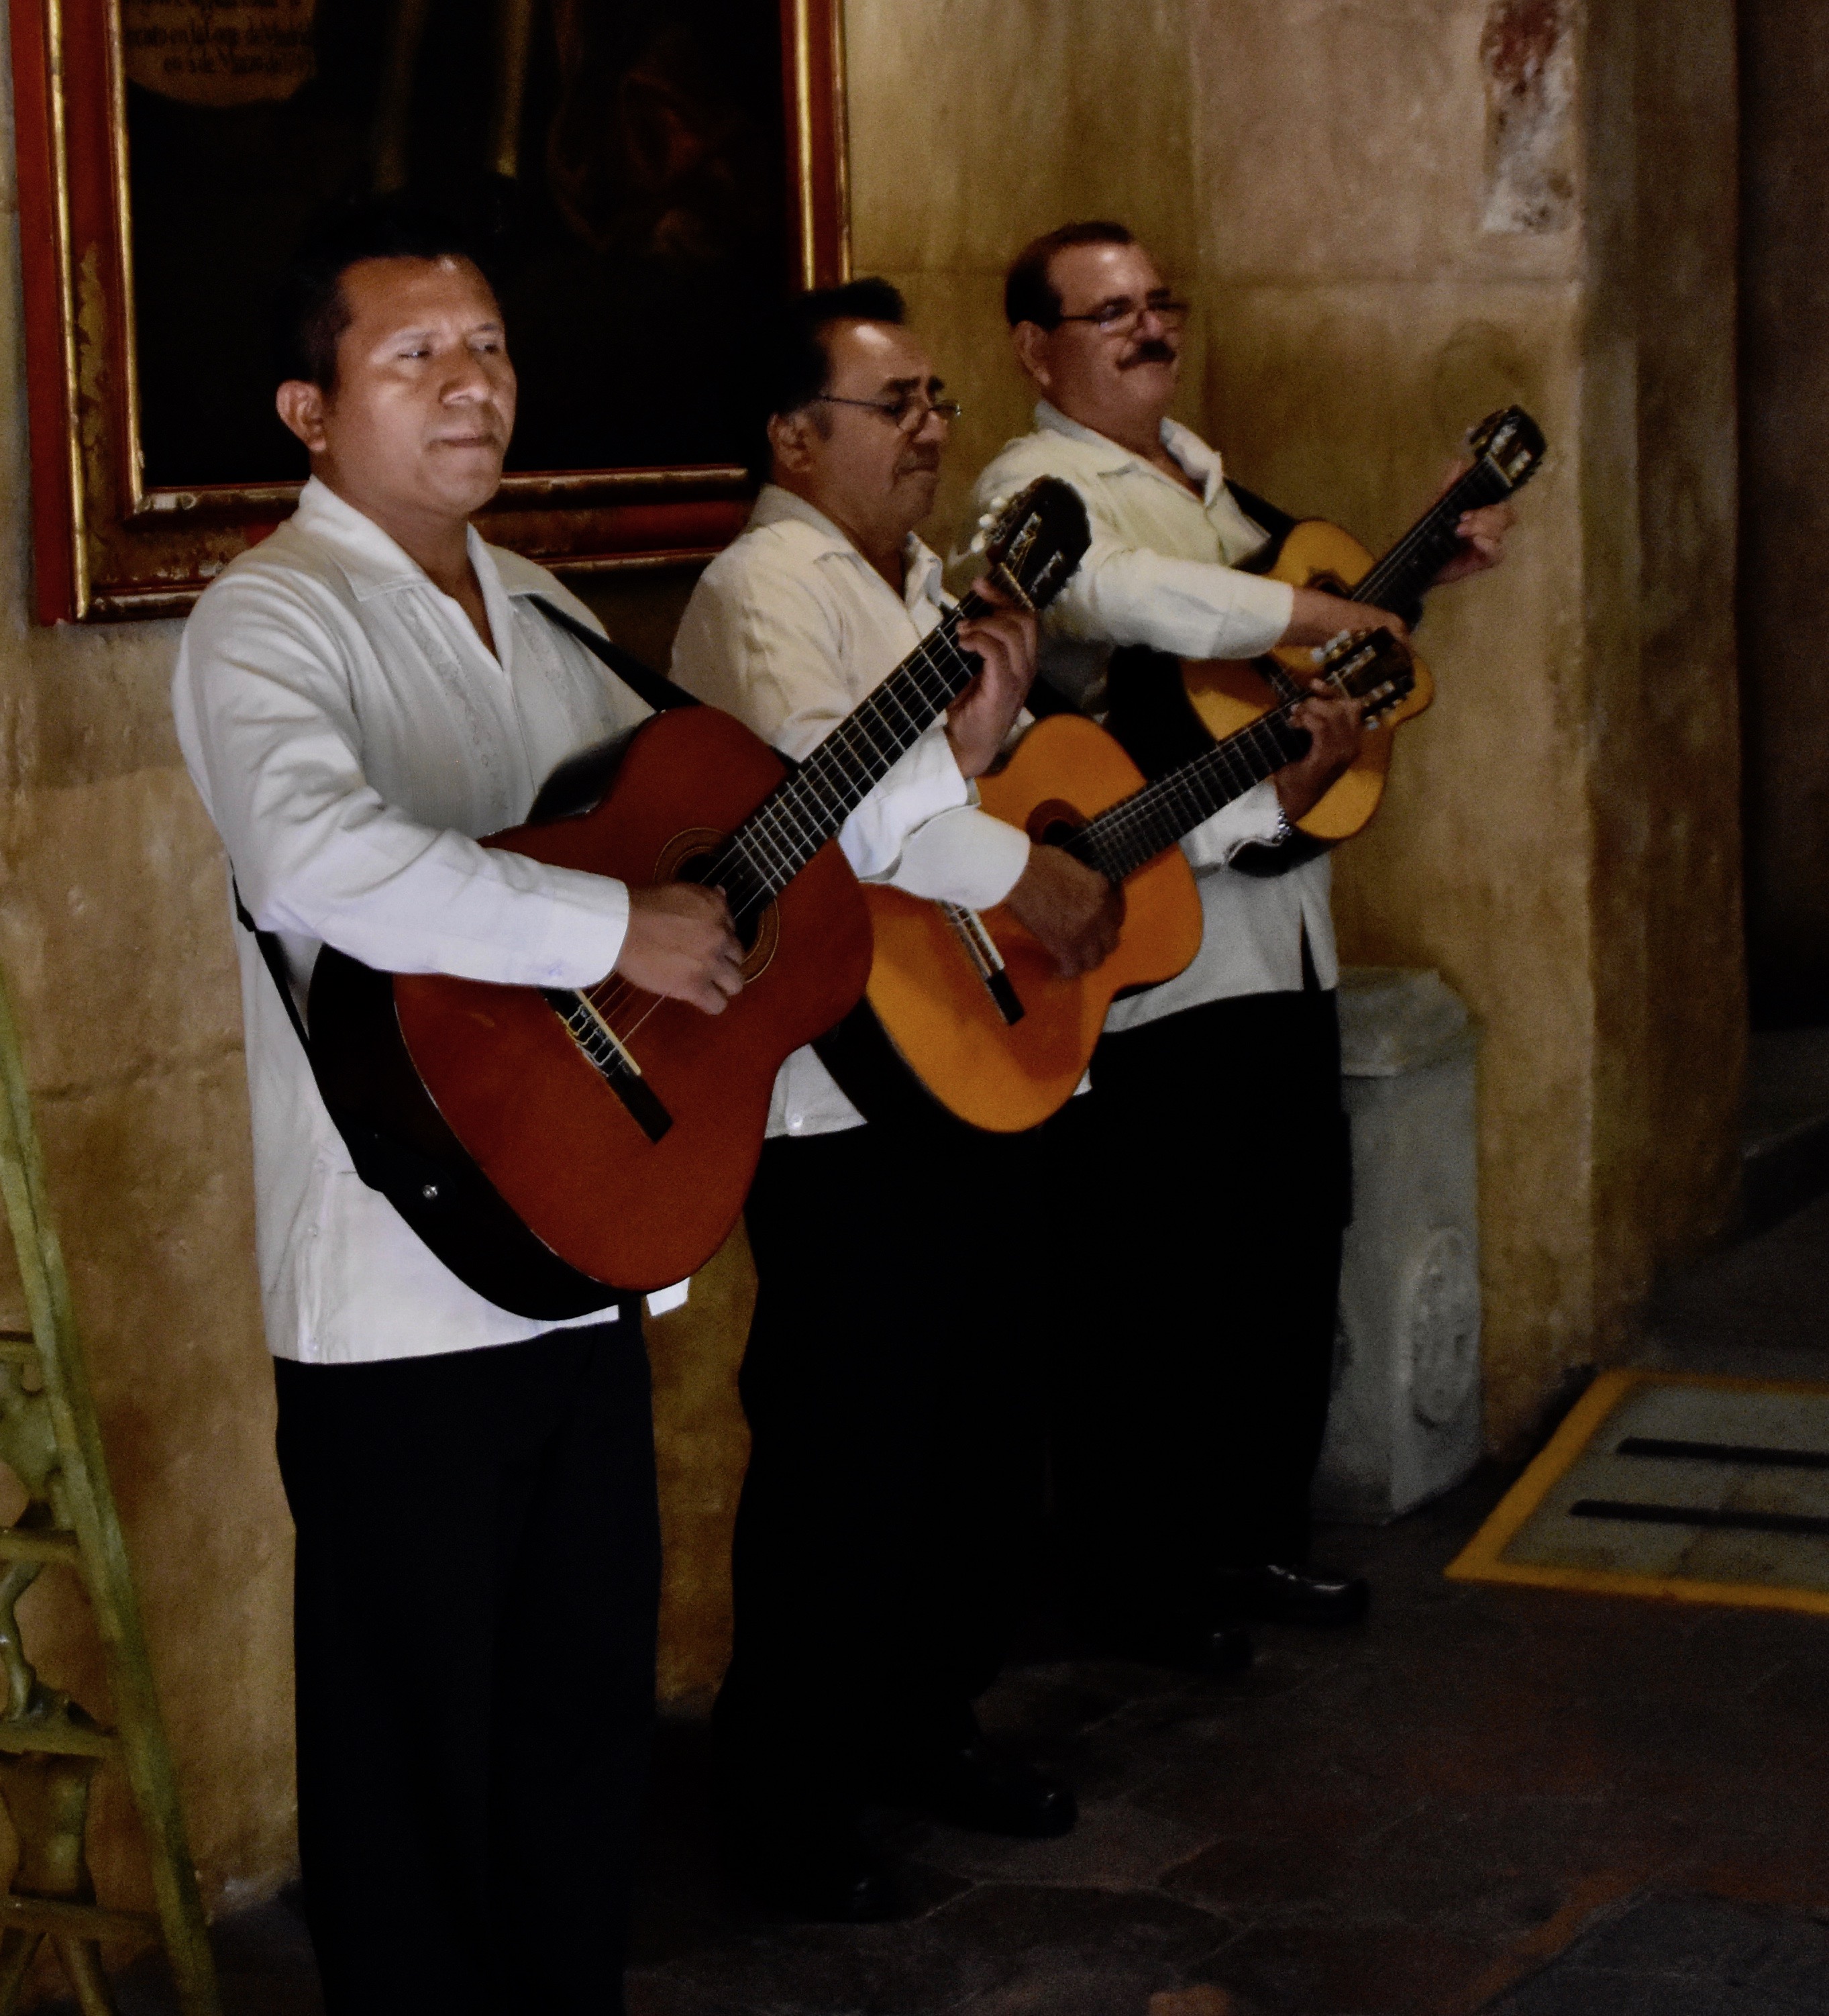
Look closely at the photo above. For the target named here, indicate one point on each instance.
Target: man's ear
(789, 437)
(301, 406)
(1030, 339)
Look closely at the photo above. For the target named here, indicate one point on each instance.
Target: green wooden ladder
(50, 1747)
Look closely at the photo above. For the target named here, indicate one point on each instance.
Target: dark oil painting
(620, 161)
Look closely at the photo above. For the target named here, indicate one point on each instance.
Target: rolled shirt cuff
(587, 921)
(924, 781)
(1260, 613)
(963, 856)
(1251, 820)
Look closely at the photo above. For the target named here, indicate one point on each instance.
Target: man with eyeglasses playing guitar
(896, 1442)
(1193, 1366)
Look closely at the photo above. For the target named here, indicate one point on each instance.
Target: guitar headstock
(1035, 541)
(1511, 443)
(1371, 666)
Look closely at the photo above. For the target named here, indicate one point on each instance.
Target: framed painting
(644, 173)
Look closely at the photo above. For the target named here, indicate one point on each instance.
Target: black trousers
(891, 1387)
(1191, 1379)
(477, 1583)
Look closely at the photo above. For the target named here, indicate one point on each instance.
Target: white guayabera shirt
(1163, 570)
(789, 629)
(352, 737)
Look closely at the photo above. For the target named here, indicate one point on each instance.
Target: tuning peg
(978, 544)
(989, 519)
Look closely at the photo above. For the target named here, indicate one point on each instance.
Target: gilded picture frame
(117, 535)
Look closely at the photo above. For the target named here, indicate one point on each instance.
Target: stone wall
(1412, 214)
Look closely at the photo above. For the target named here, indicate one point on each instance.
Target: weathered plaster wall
(976, 126)
(1784, 522)
(1490, 207)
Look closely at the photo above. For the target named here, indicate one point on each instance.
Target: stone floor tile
(1331, 1969)
(1115, 1844)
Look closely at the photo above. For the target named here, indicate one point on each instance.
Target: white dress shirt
(352, 737)
(789, 629)
(1163, 570)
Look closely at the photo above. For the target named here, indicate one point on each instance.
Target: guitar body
(556, 1141)
(1228, 693)
(928, 997)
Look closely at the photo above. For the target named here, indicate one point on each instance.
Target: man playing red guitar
(1194, 1390)
(895, 1445)
(358, 699)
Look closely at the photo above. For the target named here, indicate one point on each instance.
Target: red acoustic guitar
(551, 1145)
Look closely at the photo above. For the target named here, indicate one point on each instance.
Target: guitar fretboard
(1150, 821)
(803, 812)
(1399, 580)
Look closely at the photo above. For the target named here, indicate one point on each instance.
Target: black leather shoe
(833, 1882)
(1276, 1595)
(980, 1786)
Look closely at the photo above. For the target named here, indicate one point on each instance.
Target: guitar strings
(776, 824)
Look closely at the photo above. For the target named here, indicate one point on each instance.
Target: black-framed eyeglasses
(908, 415)
(1125, 317)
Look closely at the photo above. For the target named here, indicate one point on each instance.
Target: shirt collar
(1201, 461)
(921, 564)
(372, 562)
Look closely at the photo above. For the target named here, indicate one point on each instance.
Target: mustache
(1152, 350)
(925, 457)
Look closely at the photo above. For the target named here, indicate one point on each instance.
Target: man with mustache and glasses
(895, 1441)
(1194, 1365)
(358, 698)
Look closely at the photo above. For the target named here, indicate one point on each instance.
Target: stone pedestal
(1405, 1421)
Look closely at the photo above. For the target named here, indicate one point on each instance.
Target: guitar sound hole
(1053, 823)
(688, 858)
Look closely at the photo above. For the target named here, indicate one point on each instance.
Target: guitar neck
(804, 810)
(1150, 821)
(1399, 580)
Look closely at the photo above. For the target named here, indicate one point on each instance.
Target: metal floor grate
(1706, 1490)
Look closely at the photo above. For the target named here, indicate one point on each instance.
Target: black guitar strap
(641, 680)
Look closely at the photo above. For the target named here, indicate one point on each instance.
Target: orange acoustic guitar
(551, 1145)
(1506, 448)
(973, 1005)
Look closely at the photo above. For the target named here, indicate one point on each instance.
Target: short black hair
(310, 313)
(1028, 294)
(793, 364)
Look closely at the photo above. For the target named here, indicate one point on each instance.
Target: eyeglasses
(907, 415)
(1124, 318)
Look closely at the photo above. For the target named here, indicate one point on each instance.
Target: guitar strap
(404, 1176)
(641, 680)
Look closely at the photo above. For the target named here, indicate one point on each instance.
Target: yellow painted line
(1482, 1560)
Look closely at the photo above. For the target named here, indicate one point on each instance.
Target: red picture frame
(106, 545)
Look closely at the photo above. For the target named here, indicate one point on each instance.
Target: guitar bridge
(610, 1058)
(986, 961)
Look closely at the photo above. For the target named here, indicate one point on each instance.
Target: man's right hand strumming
(680, 943)
(1074, 911)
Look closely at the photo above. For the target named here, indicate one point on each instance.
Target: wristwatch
(1284, 830)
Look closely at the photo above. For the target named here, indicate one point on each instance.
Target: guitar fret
(802, 812)
(1406, 571)
(1119, 841)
